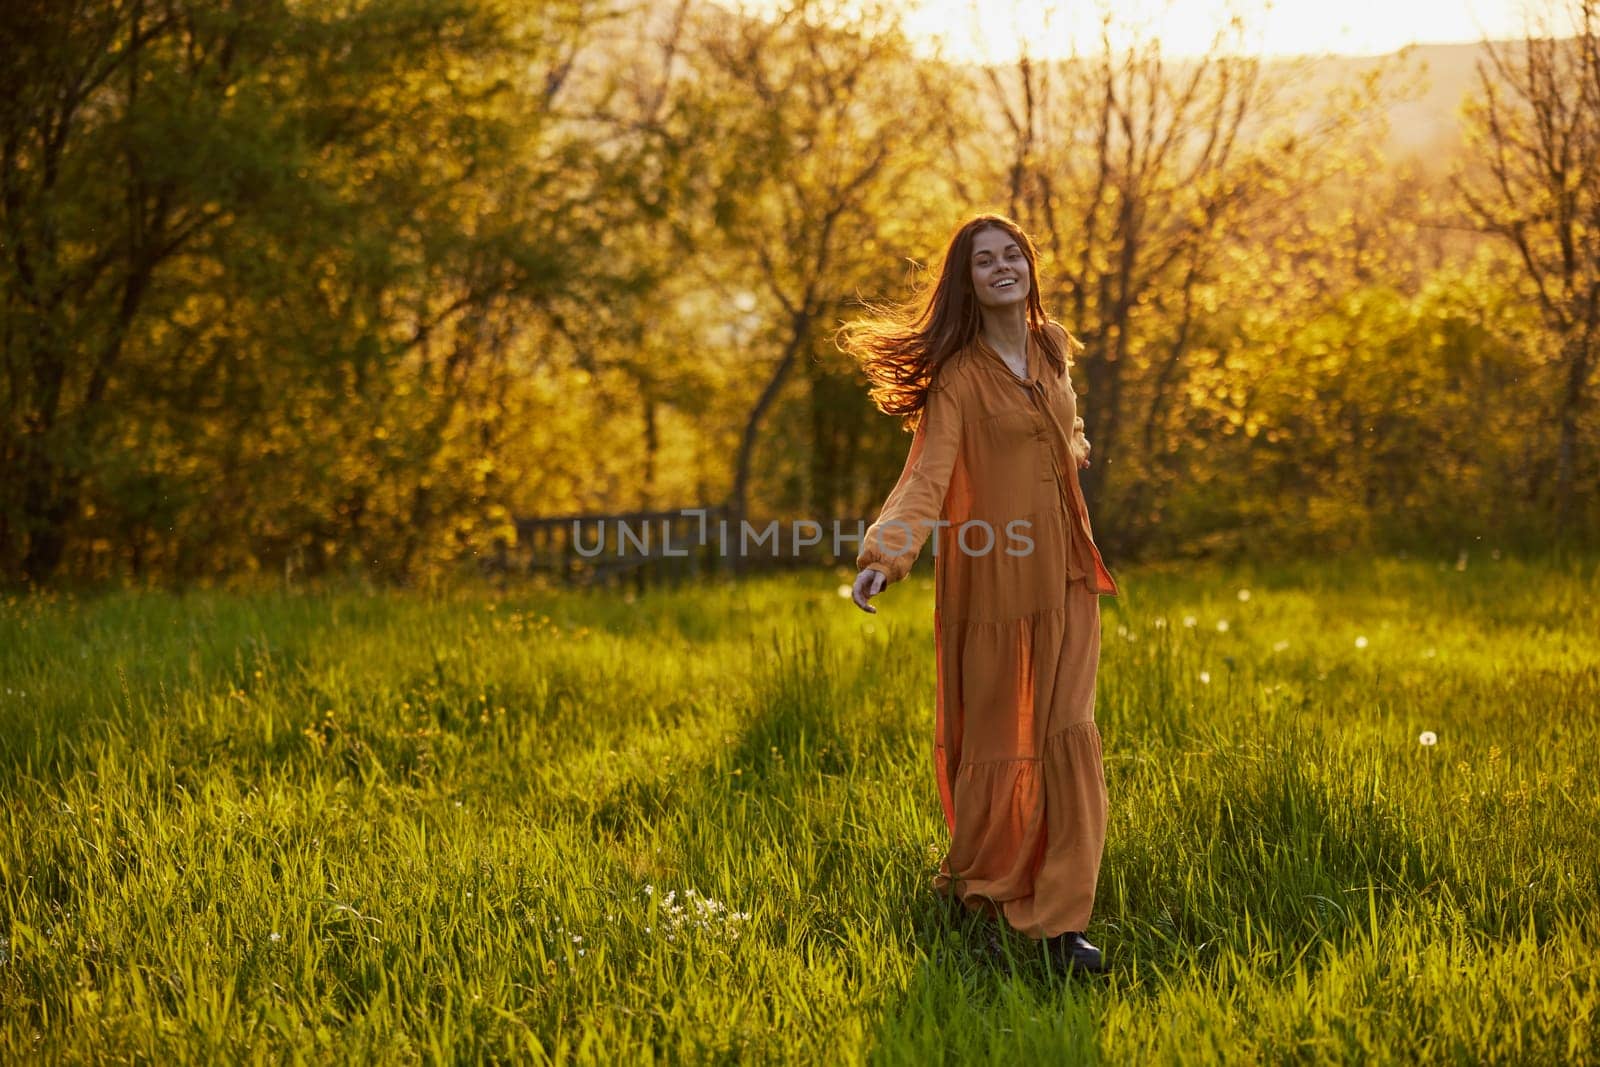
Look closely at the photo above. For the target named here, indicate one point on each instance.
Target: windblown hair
(901, 348)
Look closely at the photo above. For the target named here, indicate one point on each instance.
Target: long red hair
(901, 348)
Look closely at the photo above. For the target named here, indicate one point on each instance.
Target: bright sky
(990, 29)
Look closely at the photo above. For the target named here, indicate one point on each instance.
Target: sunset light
(972, 31)
(611, 531)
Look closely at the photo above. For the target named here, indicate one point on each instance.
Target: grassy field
(699, 825)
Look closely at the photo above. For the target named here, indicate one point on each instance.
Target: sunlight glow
(990, 31)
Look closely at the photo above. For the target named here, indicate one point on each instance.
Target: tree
(264, 268)
(1536, 184)
(1139, 175)
(820, 119)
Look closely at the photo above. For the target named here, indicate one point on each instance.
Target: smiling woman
(983, 374)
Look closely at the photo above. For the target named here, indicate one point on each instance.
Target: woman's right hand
(869, 583)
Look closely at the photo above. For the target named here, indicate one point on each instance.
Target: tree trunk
(799, 329)
(1579, 358)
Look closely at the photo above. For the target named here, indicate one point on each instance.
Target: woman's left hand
(1080, 443)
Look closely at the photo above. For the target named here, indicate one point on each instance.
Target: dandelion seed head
(1205, 677)
(1427, 737)
(844, 591)
(1361, 641)
(1190, 621)
(1244, 595)
(1222, 626)
(1279, 646)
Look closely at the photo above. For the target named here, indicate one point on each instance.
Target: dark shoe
(1072, 952)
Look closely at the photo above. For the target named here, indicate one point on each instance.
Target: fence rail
(649, 547)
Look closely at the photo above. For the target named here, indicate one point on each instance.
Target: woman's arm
(1070, 347)
(893, 542)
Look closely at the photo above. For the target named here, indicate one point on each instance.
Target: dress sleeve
(893, 542)
(1071, 347)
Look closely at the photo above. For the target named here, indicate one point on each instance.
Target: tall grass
(699, 825)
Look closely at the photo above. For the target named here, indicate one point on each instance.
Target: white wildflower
(1205, 677)
(1222, 626)
(1361, 641)
(697, 912)
(1427, 737)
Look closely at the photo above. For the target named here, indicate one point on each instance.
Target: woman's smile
(999, 269)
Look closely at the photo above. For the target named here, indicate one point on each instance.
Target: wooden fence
(648, 547)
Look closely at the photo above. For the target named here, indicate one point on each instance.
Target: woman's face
(1000, 275)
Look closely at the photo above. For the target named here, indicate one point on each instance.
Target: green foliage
(339, 217)
(1390, 420)
(302, 289)
(700, 825)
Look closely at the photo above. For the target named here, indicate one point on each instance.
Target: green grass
(455, 826)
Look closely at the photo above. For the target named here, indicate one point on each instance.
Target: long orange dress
(1016, 629)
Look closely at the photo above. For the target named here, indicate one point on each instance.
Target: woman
(992, 476)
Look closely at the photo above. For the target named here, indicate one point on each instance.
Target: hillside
(1433, 81)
